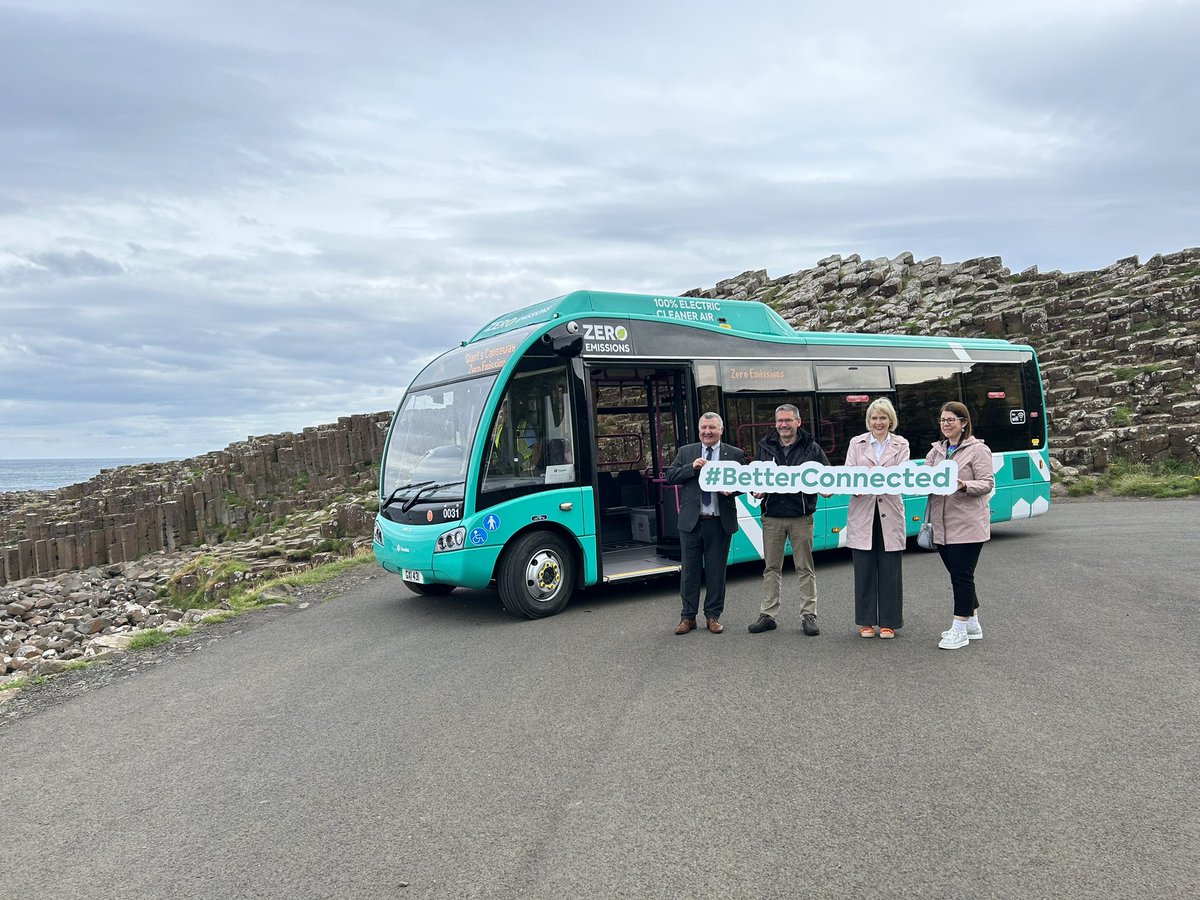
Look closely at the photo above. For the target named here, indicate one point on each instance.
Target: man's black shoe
(764, 623)
(809, 624)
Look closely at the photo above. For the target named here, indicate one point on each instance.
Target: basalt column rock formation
(1119, 347)
(246, 490)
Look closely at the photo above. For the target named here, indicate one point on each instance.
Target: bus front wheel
(537, 575)
(429, 590)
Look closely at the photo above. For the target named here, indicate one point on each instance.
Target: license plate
(414, 576)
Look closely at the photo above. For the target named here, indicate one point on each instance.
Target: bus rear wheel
(537, 575)
(429, 590)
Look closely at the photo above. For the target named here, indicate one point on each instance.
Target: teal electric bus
(533, 456)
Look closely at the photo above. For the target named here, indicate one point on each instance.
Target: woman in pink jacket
(962, 521)
(875, 530)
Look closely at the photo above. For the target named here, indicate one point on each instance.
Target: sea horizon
(48, 474)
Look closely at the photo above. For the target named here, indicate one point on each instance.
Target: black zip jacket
(805, 449)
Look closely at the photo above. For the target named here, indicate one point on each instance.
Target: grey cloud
(52, 265)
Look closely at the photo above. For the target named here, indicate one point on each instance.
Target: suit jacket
(860, 518)
(682, 473)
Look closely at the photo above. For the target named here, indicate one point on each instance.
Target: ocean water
(48, 474)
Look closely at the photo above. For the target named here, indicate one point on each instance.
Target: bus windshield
(431, 440)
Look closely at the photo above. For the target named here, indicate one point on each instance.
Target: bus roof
(748, 318)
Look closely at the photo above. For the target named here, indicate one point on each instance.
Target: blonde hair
(883, 405)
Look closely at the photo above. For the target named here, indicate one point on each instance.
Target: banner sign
(812, 478)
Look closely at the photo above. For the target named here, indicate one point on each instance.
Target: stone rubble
(47, 623)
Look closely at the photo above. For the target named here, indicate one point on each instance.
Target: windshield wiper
(404, 487)
(425, 489)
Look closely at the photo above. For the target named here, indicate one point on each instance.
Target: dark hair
(961, 411)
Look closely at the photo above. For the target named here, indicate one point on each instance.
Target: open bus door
(640, 419)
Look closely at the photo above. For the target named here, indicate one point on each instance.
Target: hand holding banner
(810, 478)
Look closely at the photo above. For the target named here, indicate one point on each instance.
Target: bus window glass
(766, 375)
(920, 393)
(994, 395)
(432, 437)
(853, 378)
(841, 417)
(710, 399)
(531, 442)
(479, 358)
(751, 417)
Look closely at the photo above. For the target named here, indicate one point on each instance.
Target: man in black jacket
(788, 516)
(707, 523)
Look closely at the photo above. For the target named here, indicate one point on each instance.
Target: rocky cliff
(1119, 347)
(290, 492)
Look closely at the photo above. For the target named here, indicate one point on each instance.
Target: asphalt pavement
(381, 744)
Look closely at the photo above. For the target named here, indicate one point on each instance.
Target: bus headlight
(378, 536)
(451, 540)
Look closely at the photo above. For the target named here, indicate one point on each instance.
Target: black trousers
(705, 549)
(960, 560)
(878, 583)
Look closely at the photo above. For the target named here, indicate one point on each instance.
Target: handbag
(925, 534)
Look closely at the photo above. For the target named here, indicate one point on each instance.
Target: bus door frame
(682, 377)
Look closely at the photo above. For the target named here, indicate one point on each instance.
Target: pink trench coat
(861, 516)
(964, 517)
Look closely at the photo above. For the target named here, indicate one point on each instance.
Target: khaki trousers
(775, 533)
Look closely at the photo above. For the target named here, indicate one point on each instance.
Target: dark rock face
(1119, 347)
(310, 487)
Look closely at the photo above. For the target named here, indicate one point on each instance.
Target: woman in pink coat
(875, 529)
(962, 521)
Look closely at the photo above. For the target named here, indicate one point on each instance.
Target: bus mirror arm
(567, 345)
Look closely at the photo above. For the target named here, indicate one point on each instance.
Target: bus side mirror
(567, 344)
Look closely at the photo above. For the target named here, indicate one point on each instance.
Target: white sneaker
(952, 640)
(973, 634)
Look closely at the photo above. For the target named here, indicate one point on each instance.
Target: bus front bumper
(409, 551)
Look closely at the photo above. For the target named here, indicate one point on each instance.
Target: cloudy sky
(222, 218)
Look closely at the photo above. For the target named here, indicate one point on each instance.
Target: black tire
(429, 590)
(537, 575)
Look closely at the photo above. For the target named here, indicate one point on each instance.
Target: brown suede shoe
(685, 625)
(715, 627)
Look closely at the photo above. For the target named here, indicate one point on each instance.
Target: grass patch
(22, 681)
(326, 546)
(152, 637)
(1121, 416)
(197, 584)
(1164, 479)
(1128, 373)
(251, 598)
(221, 615)
(1084, 488)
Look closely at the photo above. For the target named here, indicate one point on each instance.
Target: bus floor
(635, 560)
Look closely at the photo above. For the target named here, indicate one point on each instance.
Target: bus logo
(606, 339)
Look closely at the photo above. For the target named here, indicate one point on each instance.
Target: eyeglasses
(951, 420)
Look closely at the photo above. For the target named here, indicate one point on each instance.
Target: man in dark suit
(707, 523)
